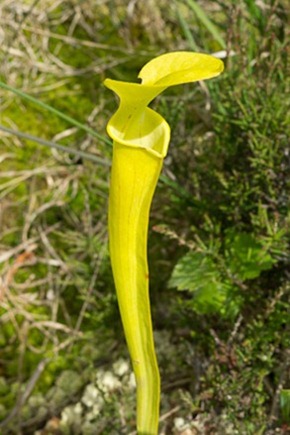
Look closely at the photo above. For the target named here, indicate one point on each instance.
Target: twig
(28, 390)
(234, 331)
(90, 289)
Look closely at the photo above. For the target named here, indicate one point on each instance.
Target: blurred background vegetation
(219, 229)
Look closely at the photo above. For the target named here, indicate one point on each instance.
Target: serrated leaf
(197, 273)
(246, 257)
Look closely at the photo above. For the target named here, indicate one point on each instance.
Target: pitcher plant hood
(141, 138)
(136, 125)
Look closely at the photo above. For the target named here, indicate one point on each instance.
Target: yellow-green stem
(134, 176)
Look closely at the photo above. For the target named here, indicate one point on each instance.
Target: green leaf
(245, 256)
(197, 273)
(201, 15)
(186, 30)
(285, 405)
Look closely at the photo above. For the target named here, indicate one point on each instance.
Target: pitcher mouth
(144, 129)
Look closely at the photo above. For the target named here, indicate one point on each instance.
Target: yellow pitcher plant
(141, 137)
